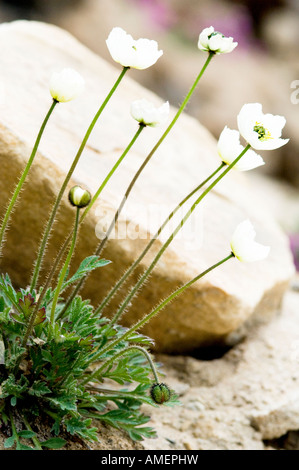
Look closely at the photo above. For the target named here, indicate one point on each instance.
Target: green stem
(154, 312)
(68, 176)
(148, 158)
(125, 276)
(172, 236)
(64, 270)
(34, 439)
(24, 175)
(13, 428)
(93, 200)
(102, 186)
(145, 162)
(97, 372)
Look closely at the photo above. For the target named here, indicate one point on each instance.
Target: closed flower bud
(79, 197)
(160, 393)
(66, 85)
(138, 54)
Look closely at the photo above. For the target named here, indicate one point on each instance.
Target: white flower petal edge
(243, 245)
(229, 148)
(66, 85)
(138, 54)
(146, 113)
(212, 41)
(261, 131)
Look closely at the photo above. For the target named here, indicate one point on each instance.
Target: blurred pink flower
(294, 245)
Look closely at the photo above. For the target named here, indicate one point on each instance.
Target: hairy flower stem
(58, 288)
(172, 236)
(141, 168)
(65, 183)
(124, 351)
(156, 310)
(64, 270)
(24, 175)
(82, 217)
(126, 275)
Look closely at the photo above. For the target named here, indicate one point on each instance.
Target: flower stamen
(263, 133)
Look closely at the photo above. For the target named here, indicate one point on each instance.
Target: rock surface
(227, 298)
(245, 400)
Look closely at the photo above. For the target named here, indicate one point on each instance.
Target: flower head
(66, 85)
(243, 245)
(146, 113)
(160, 393)
(261, 131)
(139, 54)
(229, 148)
(213, 41)
(79, 197)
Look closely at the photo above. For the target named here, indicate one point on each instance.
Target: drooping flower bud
(160, 393)
(79, 197)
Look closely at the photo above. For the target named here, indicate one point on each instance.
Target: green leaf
(23, 447)
(65, 403)
(54, 443)
(26, 434)
(27, 305)
(88, 264)
(9, 442)
(2, 304)
(39, 389)
(13, 401)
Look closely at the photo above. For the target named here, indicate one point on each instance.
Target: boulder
(234, 295)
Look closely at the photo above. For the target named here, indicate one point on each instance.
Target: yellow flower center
(263, 133)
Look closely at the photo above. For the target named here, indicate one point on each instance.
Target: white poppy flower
(261, 131)
(213, 41)
(66, 85)
(229, 148)
(146, 113)
(139, 54)
(243, 245)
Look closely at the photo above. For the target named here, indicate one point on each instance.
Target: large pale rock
(210, 310)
